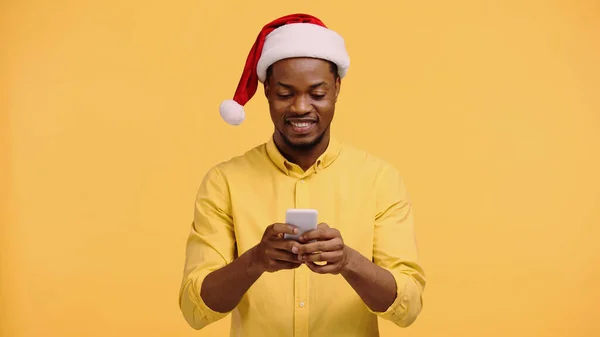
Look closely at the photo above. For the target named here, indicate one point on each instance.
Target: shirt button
(301, 304)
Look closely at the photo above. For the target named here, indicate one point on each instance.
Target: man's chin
(302, 143)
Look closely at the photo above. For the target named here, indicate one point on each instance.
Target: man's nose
(301, 105)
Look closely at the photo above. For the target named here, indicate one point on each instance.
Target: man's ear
(338, 86)
(266, 88)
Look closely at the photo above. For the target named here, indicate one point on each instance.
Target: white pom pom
(232, 112)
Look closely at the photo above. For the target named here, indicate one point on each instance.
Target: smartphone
(304, 219)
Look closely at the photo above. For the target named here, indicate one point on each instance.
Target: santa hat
(296, 35)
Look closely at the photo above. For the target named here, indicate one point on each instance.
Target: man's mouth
(302, 126)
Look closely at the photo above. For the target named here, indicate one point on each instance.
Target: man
(361, 262)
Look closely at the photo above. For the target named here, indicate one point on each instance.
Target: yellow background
(491, 109)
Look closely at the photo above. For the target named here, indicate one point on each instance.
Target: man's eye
(318, 96)
(284, 95)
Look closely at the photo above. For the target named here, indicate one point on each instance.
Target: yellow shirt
(360, 195)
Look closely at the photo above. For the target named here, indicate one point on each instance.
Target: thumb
(323, 226)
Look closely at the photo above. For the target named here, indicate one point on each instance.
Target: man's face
(302, 93)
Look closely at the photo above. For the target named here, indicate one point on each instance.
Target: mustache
(303, 118)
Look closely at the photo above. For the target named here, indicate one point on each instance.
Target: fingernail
(299, 257)
(295, 230)
(295, 250)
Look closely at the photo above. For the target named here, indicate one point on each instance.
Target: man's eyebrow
(289, 86)
(316, 85)
(284, 85)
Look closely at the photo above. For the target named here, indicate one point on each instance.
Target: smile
(302, 127)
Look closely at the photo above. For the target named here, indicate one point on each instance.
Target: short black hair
(333, 68)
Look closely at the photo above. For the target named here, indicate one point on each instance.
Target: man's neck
(305, 158)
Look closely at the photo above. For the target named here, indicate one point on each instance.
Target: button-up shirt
(353, 191)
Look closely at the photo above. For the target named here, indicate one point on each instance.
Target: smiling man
(359, 264)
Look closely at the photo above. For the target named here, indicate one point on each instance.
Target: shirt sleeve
(210, 246)
(395, 247)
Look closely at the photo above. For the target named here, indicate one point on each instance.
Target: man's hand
(274, 253)
(374, 284)
(223, 289)
(328, 246)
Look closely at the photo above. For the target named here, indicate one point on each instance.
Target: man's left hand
(328, 246)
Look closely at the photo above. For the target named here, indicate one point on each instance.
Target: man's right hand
(274, 253)
(223, 289)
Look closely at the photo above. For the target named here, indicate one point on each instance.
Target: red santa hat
(296, 35)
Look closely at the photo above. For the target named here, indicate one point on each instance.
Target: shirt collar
(327, 158)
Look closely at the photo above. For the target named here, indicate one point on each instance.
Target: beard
(303, 146)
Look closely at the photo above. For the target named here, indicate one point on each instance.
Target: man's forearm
(376, 286)
(223, 289)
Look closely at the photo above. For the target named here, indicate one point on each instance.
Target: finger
(329, 257)
(283, 256)
(285, 245)
(326, 269)
(278, 229)
(320, 227)
(286, 265)
(321, 233)
(321, 246)
(323, 225)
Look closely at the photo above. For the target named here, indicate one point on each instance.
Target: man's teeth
(301, 124)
